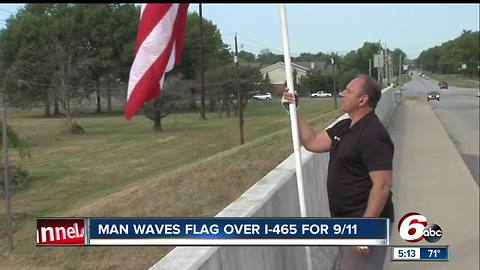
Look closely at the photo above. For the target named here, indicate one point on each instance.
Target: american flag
(158, 49)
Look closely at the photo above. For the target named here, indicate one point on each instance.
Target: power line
(53, 85)
(261, 44)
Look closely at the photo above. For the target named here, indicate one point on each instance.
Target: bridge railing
(275, 195)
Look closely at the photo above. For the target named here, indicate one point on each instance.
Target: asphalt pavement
(431, 178)
(458, 111)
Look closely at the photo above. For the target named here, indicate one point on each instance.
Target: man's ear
(364, 100)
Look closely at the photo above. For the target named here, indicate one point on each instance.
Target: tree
(247, 56)
(26, 76)
(250, 79)
(268, 58)
(314, 81)
(397, 54)
(105, 29)
(310, 57)
(94, 42)
(173, 88)
(215, 52)
(17, 176)
(451, 55)
(265, 84)
(223, 86)
(65, 57)
(27, 80)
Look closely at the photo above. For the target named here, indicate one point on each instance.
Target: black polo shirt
(356, 151)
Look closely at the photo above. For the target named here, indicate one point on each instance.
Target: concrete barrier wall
(275, 195)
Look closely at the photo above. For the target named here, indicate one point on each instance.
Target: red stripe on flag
(148, 87)
(179, 31)
(152, 14)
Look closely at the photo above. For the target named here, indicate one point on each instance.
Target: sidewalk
(430, 177)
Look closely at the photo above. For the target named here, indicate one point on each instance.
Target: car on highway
(433, 95)
(397, 93)
(262, 96)
(320, 94)
(442, 85)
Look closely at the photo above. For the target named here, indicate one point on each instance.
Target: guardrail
(275, 195)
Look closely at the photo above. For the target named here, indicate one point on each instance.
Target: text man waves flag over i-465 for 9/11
(158, 49)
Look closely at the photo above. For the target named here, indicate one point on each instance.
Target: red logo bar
(60, 231)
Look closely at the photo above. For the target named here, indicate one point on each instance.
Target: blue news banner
(237, 231)
(419, 253)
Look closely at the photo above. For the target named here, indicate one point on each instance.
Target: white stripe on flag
(170, 65)
(142, 8)
(152, 47)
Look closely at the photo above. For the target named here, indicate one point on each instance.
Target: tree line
(58, 55)
(457, 56)
(346, 67)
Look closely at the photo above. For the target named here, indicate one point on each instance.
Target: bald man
(359, 177)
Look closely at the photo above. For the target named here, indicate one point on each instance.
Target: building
(276, 73)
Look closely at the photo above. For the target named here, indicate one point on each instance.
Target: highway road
(458, 111)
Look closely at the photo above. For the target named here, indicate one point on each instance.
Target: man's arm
(315, 142)
(382, 184)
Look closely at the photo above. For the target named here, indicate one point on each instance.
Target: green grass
(455, 80)
(404, 78)
(120, 168)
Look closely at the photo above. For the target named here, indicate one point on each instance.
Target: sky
(336, 28)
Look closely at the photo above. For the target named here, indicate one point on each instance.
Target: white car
(320, 94)
(263, 96)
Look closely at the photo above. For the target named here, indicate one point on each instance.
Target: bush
(19, 178)
(77, 129)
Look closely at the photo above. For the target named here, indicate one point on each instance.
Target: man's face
(352, 96)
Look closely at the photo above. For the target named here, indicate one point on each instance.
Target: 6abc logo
(413, 227)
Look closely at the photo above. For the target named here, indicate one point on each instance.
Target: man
(360, 168)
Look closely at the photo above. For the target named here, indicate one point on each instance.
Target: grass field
(455, 80)
(125, 169)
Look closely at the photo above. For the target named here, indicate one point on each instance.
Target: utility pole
(399, 66)
(8, 206)
(381, 62)
(202, 74)
(390, 61)
(385, 58)
(239, 93)
(334, 84)
(369, 66)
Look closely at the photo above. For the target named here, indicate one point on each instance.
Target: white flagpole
(293, 123)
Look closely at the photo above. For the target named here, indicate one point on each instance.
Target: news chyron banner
(212, 231)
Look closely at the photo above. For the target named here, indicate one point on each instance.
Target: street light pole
(334, 83)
